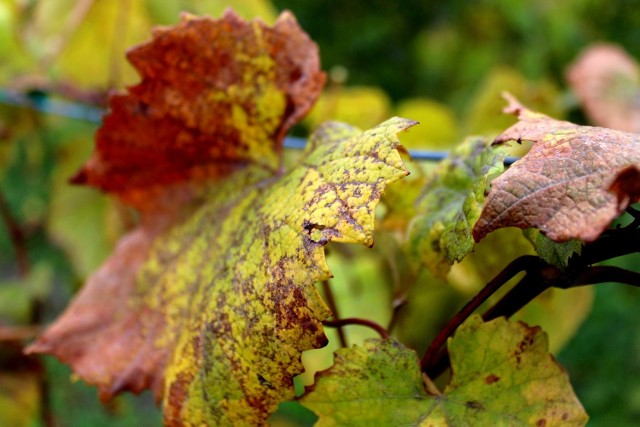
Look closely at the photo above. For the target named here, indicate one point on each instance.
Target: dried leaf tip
(286, 16)
(513, 105)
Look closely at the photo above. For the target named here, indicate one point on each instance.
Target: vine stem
(331, 302)
(540, 277)
(384, 334)
(523, 263)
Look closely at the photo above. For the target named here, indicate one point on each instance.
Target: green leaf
(19, 398)
(450, 205)
(555, 253)
(502, 375)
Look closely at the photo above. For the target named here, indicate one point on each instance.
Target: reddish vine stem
(523, 263)
(384, 334)
(540, 277)
(331, 302)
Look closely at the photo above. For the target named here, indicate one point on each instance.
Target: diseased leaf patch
(502, 375)
(215, 313)
(567, 186)
(450, 205)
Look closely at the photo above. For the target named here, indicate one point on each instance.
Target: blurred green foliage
(442, 63)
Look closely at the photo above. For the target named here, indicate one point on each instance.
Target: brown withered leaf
(571, 185)
(215, 95)
(606, 80)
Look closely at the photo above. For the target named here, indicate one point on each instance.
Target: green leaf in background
(83, 222)
(450, 205)
(166, 12)
(483, 116)
(19, 398)
(502, 375)
(14, 58)
(559, 312)
(360, 289)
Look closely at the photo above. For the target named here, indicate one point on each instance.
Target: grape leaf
(606, 80)
(502, 375)
(555, 253)
(450, 205)
(571, 185)
(210, 301)
(256, 81)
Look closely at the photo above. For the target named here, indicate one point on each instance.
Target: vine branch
(539, 277)
(516, 266)
(357, 321)
(331, 302)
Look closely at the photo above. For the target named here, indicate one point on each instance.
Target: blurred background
(441, 63)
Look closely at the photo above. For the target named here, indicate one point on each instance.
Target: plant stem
(612, 244)
(523, 263)
(357, 321)
(331, 302)
(17, 235)
(604, 274)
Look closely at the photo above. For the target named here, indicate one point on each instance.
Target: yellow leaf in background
(484, 117)
(360, 106)
(438, 127)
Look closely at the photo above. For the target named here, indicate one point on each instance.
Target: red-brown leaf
(571, 185)
(215, 95)
(606, 80)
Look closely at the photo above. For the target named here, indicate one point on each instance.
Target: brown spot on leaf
(541, 422)
(491, 378)
(474, 404)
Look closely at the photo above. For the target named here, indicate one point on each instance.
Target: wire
(43, 103)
